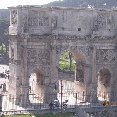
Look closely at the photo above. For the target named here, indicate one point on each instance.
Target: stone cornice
(86, 39)
(97, 39)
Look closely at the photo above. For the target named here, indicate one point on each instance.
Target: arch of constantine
(40, 35)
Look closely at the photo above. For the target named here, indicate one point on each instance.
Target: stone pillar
(88, 82)
(94, 83)
(15, 69)
(25, 79)
(21, 81)
(113, 83)
(53, 64)
(113, 93)
(54, 73)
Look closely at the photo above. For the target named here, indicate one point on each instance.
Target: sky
(7, 3)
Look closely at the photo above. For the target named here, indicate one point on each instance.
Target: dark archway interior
(104, 80)
(105, 77)
(80, 71)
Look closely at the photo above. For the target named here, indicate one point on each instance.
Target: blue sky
(7, 3)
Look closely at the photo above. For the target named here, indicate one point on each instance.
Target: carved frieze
(105, 55)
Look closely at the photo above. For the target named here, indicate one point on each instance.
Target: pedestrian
(51, 105)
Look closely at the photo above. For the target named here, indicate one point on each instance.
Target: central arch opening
(66, 72)
(72, 66)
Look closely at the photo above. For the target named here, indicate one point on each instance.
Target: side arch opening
(104, 82)
(36, 84)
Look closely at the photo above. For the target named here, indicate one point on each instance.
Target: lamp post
(61, 95)
(70, 59)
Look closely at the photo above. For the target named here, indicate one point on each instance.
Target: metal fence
(40, 102)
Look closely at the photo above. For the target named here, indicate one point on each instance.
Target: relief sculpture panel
(33, 21)
(54, 22)
(40, 57)
(43, 21)
(31, 56)
(25, 23)
(33, 18)
(14, 17)
(99, 21)
(44, 57)
(38, 19)
(105, 55)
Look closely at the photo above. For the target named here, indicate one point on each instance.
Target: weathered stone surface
(38, 37)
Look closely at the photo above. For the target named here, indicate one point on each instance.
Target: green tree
(4, 42)
(66, 62)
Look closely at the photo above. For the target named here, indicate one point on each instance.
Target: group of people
(55, 104)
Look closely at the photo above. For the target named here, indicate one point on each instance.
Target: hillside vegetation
(85, 3)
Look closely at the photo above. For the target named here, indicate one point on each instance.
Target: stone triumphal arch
(39, 36)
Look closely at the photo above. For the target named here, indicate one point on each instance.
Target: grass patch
(17, 116)
(43, 115)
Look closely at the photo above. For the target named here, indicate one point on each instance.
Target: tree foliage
(64, 62)
(4, 38)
